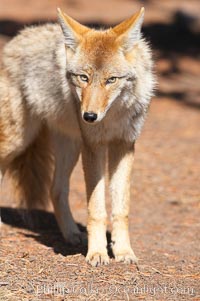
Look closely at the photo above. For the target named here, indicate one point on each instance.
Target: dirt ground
(164, 218)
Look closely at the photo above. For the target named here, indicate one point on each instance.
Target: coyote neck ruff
(72, 89)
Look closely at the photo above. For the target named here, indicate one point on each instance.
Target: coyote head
(100, 62)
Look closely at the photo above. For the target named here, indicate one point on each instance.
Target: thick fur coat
(51, 78)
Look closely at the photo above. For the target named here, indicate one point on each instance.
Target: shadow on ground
(46, 230)
(44, 227)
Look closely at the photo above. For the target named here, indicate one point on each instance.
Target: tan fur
(121, 157)
(74, 25)
(31, 172)
(51, 78)
(125, 25)
(94, 168)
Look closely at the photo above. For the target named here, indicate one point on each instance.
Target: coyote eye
(83, 78)
(111, 80)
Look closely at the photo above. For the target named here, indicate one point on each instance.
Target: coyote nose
(90, 116)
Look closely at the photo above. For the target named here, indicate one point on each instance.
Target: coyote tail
(31, 171)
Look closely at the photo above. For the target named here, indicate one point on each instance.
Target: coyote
(68, 89)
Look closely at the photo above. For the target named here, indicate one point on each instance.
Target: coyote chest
(115, 126)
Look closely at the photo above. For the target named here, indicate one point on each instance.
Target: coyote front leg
(66, 151)
(94, 169)
(121, 157)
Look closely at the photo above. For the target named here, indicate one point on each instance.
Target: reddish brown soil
(164, 218)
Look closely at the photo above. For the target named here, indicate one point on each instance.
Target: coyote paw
(126, 257)
(97, 259)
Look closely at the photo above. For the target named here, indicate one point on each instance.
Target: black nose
(90, 116)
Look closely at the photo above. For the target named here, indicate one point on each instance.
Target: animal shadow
(45, 230)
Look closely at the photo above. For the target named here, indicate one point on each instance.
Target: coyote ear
(129, 31)
(72, 30)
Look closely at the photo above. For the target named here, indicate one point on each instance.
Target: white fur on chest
(119, 124)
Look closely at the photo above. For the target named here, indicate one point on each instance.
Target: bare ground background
(36, 264)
